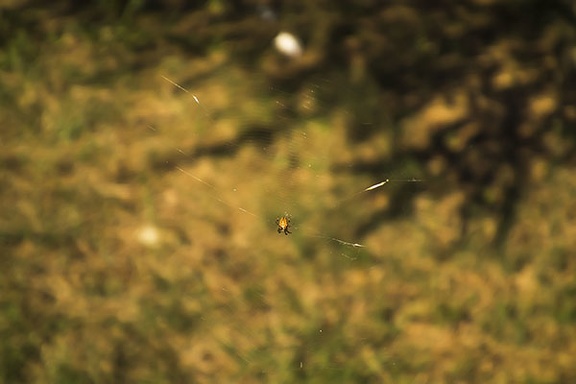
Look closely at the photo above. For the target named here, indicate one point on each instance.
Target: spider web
(234, 159)
(276, 160)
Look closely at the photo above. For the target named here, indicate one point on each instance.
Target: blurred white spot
(287, 44)
(148, 236)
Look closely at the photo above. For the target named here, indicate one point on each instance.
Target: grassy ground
(120, 265)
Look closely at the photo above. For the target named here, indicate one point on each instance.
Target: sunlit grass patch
(139, 239)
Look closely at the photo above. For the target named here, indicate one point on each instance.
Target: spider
(283, 224)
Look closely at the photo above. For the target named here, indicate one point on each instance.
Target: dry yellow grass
(138, 240)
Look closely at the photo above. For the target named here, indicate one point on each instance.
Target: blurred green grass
(118, 267)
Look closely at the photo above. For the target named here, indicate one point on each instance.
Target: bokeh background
(137, 232)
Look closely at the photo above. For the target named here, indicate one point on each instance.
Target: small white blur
(288, 44)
